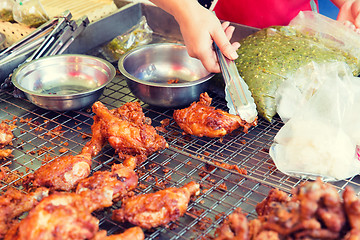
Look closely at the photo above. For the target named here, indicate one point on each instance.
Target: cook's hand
(199, 29)
(350, 12)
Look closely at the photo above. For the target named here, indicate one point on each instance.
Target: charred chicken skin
(112, 185)
(156, 209)
(13, 203)
(200, 119)
(63, 173)
(128, 137)
(132, 112)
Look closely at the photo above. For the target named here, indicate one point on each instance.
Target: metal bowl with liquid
(164, 75)
(64, 82)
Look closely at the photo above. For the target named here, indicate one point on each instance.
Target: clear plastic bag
(293, 93)
(138, 35)
(331, 33)
(322, 137)
(6, 10)
(30, 12)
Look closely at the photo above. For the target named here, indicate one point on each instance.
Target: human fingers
(357, 20)
(201, 48)
(350, 11)
(222, 39)
(229, 33)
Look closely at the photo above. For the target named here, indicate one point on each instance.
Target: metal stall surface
(41, 135)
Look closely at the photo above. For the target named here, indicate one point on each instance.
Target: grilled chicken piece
(352, 209)
(6, 137)
(128, 137)
(112, 185)
(200, 119)
(97, 142)
(235, 227)
(65, 215)
(6, 134)
(4, 153)
(134, 233)
(131, 112)
(156, 209)
(63, 173)
(62, 215)
(13, 203)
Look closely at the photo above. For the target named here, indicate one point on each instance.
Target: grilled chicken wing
(112, 185)
(200, 119)
(65, 215)
(62, 173)
(61, 215)
(14, 202)
(128, 137)
(156, 209)
(97, 142)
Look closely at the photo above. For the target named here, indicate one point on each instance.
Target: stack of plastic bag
(321, 137)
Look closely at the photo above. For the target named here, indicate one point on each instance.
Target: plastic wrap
(322, 137)
(138, 35)
(29, 12)
(6, 10)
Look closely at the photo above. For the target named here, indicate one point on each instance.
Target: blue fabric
(327, 8)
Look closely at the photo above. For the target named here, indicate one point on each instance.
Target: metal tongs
(49, 39)
(237, 93)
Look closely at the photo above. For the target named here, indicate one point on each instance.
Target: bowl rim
(153, 84)
(33, 93)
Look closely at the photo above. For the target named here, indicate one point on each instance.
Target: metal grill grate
(42, 135)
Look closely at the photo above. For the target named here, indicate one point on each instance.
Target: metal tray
(42, 134)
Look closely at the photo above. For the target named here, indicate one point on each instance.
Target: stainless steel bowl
(164, 75)
(64, 82)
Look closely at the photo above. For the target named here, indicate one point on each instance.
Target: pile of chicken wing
(314, 211)
(60, 197)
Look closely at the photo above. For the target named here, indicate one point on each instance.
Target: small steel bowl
(164, 75)
(64, 82)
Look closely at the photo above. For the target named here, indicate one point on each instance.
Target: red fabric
(260, 13)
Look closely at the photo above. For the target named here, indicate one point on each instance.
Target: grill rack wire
(41, 135)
